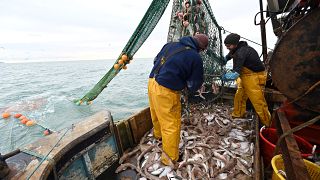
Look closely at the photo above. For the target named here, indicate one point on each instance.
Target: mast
(263, 33)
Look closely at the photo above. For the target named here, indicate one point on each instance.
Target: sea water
(43, 91)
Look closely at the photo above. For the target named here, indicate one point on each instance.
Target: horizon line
(61, 60)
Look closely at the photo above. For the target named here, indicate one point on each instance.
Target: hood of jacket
(239, 45)
(189, 41)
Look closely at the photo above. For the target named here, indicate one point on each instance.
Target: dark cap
(232, 38)
(202, 41)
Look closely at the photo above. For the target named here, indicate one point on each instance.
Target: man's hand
(231, 76)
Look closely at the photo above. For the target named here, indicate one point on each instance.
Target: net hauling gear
(188, 18)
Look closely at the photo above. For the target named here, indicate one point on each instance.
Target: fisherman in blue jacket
(177, 66)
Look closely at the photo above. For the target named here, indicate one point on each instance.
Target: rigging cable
(46, 157)
(284, 10)
(222, 28)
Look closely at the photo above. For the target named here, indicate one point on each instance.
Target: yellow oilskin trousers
(239, 102)
(165, 107)
(252, 86)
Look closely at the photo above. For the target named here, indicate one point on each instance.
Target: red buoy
(17, 115)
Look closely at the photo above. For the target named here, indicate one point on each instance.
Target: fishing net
(188, 17)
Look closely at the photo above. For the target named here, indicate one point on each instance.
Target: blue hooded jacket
(182, 69)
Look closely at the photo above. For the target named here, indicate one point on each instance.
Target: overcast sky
(42, 30)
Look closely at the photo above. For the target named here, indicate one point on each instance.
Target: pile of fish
(212, 146)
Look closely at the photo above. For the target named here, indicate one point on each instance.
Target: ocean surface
(43, 91)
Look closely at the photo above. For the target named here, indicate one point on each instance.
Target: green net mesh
(188, 18)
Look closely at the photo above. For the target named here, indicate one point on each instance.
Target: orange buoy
(78, 103)
(46, 132)
(116, 66)
(24, 121)
(6, 115)
(30, 123)
(124, 67)
(124, 57)
(22, 117)
(88, 102)
(17, 115)
(120, 61)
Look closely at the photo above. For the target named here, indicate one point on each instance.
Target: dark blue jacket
(182, 69)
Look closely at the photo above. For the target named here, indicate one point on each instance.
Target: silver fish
(158, 171)
(171, 176)
(166, 170)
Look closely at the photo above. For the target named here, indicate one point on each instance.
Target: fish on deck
(212, 146)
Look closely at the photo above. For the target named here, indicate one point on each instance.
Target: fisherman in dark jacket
(251, 77)
(177, 66)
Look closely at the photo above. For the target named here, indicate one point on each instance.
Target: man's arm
(239, 59)
(196, 78)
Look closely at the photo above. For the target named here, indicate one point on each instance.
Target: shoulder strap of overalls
(166, 56)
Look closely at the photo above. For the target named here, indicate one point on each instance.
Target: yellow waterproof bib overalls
(165, 108)
(251, 85)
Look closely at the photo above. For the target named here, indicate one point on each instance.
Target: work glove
(231, 76)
